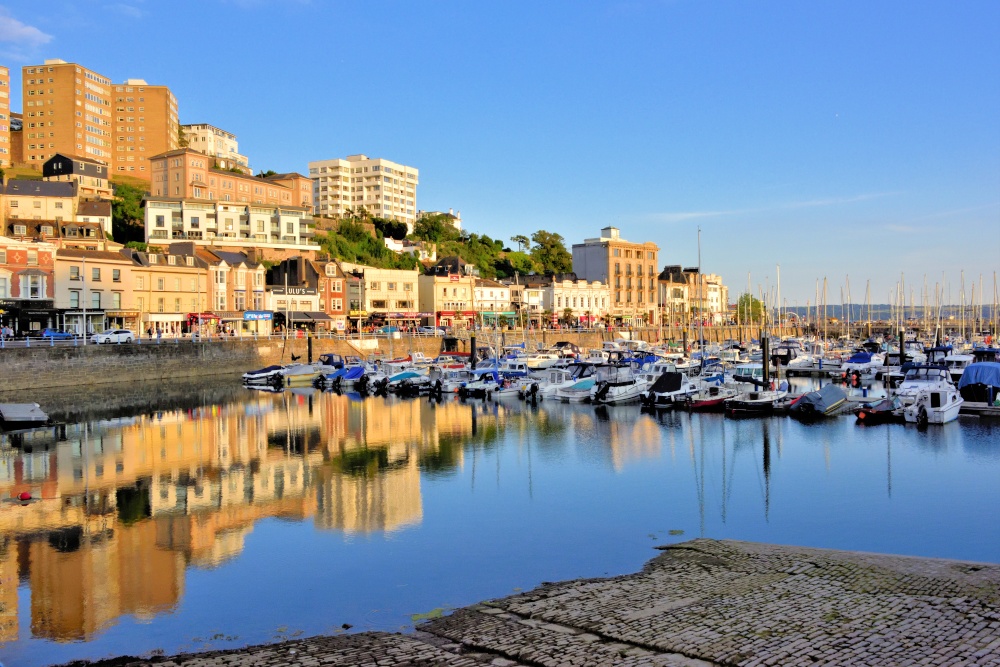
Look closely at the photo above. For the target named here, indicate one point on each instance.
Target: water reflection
(135, 500)
(123, 506)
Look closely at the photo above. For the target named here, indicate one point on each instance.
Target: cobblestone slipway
(699, 604)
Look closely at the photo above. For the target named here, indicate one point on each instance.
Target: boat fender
(24, 495)
(922, 416)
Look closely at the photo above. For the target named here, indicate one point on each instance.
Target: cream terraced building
(384, 188)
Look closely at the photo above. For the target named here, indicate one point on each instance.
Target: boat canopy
(668, 382)
(822, 401)
(985, 372)
(860, 358)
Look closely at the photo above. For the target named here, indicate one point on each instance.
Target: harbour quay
(700, 603)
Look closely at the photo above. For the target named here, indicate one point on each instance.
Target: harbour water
(217, 517)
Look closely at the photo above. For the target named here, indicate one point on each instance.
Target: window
(336, 286)
(177, 305)
(32, 256)
(74, 298)
(373, 285)
(336, 304)
(95, 275)
(140, 282)
(391, 287)
(3, 256)
(116, 299)
(407, 287)
(140, 303)
(159, 286)
(177, 286)
(116, 275)
(74, 273)
(95, 300)
(159, 305)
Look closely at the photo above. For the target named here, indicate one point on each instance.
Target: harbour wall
(44, 365)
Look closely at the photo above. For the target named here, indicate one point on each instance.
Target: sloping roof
(92, 254)
(291, 174)
(99, 208)
(232, 258)
(41, 188)
(78, 158)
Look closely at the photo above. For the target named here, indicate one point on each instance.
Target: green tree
(522, 242)
(550, 253)
(435, 228)
(266, 174)
(127, 215)
(749, 308)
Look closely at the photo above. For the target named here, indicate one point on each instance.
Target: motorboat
(541, 359)
(263, 376)
(298, 375)
(883, 412)
(921, 378)
(934, 406)
(618, 384)
(551, 379)
(578, 391)
(824, 402)
(451, 379)
(513, 368)
(786, 352)
(861, 365)
(710, 398)
(753, 403)
(483, 381)
(957, 363)
(980, 383)
(669, 389)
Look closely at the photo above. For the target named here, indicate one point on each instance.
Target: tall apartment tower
(384, 188)
(67, 109)
(145, 124)
(5, 149)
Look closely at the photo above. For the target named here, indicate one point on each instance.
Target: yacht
(618, 384)
(934, 406)
(957, 363)
(923, 378)
(541, 359)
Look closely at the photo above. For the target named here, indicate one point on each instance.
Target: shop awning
(318, 316)
(230, 315)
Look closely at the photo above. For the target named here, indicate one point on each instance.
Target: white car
(113, 336)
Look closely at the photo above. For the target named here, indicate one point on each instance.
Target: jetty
(701, 603)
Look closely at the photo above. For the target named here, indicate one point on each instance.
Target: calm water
(196, 517)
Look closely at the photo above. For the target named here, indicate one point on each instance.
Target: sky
(853, 141)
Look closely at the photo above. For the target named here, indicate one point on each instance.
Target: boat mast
(848, 278)
(701, 304)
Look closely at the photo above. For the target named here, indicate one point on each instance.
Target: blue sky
(833, 138)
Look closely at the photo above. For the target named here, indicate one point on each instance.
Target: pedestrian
(149, 332)
(159, 333)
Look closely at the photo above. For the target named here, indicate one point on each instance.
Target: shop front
(26, 316)
(406, 321)
(203, 322)
(458, 319)
(163, 324)
(79, 321)
(302, 320)
(258, 322)
(499, 318)
(123, 319)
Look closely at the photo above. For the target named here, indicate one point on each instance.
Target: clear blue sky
(833, 138)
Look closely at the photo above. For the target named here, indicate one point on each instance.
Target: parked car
(57, 334)
(113, 336)
(433, 331)
(387, 330)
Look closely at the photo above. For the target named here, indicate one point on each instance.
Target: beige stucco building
(53, 94)
(629, 270)
(218, 143)
(384, 188)
(447, 293)
(381, 296)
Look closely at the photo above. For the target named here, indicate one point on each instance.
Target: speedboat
(298, 375)
(551, 379)
(861, 365)
(934, 406)
(957, 363)
(541, 359)
(786, 352)
(885, 411)
(577, 392)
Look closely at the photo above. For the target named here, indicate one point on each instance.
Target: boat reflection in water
(209, 509)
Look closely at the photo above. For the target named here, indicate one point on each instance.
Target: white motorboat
(934, 406)
(553, 378)
(669, 389)
(957, 363)
(263, 376)
(542, 359)
(578, 392)
(451, 379)
(919, 379)
(618, 384)
(753, 402)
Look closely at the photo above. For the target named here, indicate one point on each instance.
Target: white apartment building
(384, 188)
(492, 302)
(217, 143)
(231, 225)
(588, 301)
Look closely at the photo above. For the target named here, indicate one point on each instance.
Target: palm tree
(521, 241)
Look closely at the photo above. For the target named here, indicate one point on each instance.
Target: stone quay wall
(44, 365)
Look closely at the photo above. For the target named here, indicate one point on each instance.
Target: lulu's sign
(294, 291)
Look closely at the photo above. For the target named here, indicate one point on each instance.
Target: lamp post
(83, 301)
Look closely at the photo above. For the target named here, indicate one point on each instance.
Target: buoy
(24, 495)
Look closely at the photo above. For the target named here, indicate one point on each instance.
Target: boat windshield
(926, 374)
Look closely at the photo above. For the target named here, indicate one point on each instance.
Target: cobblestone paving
(702, 603)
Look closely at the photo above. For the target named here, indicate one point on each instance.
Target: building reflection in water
(124, 506)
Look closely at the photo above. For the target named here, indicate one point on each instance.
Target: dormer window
(189, 261)
(47, 230)
(331, 270)
(152, 259)
(171, 260)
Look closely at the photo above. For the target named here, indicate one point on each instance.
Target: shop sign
(294, 291)
(257, 315)
(454, 277)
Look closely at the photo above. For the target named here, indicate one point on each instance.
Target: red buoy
(24, 495)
